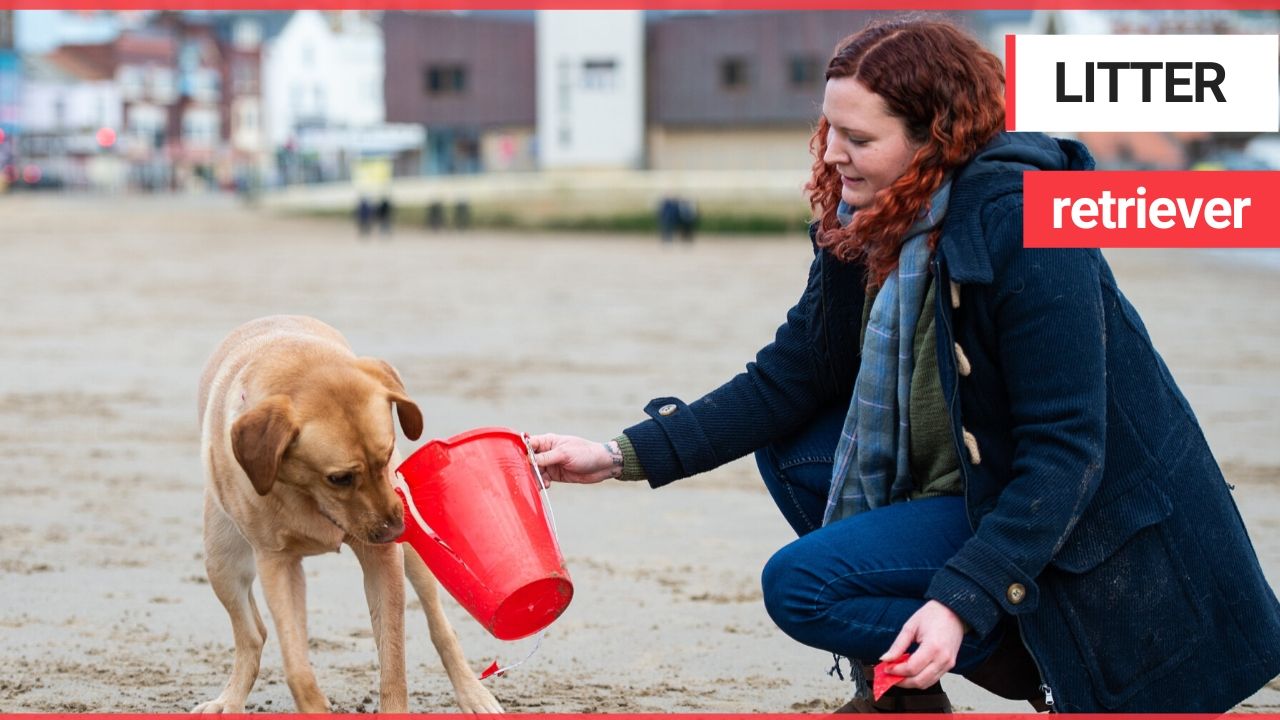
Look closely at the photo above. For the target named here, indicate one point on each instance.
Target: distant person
(384, 214)
(688, 219)
(462, 215)
(364, 217)
(435, 216)
(985, 459)
(669, 218)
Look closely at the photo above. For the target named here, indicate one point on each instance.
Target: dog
(299, 453)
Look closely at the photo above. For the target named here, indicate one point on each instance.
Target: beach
(112, 305)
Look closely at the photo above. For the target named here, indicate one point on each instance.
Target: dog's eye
(342, 479)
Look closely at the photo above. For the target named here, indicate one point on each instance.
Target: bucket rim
(494, 431)
(477, 433)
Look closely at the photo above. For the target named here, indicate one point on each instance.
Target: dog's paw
(219, 707)
(478, 700)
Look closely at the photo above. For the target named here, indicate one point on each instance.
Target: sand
(111, 306)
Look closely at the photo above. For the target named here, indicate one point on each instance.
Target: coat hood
(994, 177)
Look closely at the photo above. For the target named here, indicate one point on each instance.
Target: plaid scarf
(872, 461)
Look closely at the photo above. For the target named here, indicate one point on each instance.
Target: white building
(70, 124)
(322, 92)
(590, 89)
(56, 101)
(323, 71)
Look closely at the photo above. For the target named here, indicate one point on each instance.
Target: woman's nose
(835, 153)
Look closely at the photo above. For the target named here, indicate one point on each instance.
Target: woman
(1017, 490)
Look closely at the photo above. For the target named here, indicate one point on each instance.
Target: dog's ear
(410, 416)
(260, 437)
(406, 410)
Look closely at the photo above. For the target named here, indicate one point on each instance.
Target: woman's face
(868, 146)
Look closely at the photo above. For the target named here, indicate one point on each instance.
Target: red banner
(1157, 209)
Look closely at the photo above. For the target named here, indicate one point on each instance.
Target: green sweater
(934, 465)
(932, 450)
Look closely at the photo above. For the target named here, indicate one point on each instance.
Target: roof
(84, 62)
(146, 45)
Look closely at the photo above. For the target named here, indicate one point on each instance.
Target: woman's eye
(342, 479)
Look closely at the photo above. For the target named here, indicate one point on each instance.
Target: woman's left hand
(938, 631)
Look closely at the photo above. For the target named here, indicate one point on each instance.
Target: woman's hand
(938, 631)
(565, 458)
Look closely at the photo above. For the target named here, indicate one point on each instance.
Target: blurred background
(592, 118)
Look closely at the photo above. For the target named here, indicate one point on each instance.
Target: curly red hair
(949, 93)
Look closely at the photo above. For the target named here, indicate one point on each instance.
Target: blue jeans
(848, 588)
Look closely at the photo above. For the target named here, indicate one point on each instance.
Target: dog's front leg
(285, 588)
(229, 561)
(471, 695)
(383, 567)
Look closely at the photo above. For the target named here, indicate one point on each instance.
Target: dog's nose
(387, 530)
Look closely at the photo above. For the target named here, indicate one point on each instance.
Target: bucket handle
(401, 486)
(543, 487)
(537, 472)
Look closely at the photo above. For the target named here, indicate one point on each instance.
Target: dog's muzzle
(387, 531)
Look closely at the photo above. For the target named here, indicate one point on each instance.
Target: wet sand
(111, 306)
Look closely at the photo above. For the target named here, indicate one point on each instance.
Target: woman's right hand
(565, 458)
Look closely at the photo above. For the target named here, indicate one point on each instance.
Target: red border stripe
(636, 4)
(1028, 715)
(1010, 77)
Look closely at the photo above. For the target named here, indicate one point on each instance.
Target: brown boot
(932, 699)
(1010, 672)
(902, 700)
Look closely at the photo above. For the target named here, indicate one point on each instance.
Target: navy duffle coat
(1102, 522)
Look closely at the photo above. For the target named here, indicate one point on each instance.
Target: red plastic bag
(884, 680)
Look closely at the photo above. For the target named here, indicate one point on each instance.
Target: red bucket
(475, 515)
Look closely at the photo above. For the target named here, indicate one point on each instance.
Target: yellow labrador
(299, 455)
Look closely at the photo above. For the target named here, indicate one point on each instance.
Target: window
(146, 122)
(564, 86)
(244, 77)
(247, 120)
(200, 127)
(445, 79)
(163, 85)
(204, 85)
(804, 71)
(733, 73)
(246, 35)
(131, 80)
(599, 74)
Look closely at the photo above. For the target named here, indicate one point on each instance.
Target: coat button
(962, 363)
(1016, 593)
(666, 410)
(971, 444)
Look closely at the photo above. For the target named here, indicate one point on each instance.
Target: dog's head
(330, 436)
